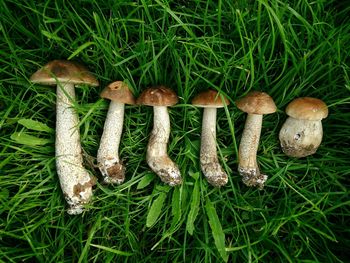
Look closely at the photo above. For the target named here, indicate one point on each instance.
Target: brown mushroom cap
(307, 108)
(210, 99)
(63, 71)
(118, 91)
(256, 102)
(158, 96)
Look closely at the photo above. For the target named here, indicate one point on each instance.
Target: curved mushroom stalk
(248, 166)
(210, 165)
(300, 138)
(157, 156)
(108, 161)
(76, 182)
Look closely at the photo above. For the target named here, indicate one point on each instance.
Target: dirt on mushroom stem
(210, 165)
(248, 166)
(108, 161)
(69, 161)
(157, 156)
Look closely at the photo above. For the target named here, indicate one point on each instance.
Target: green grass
(287, 50)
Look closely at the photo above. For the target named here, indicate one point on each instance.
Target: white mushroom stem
(76, 183)
(300, 138)
(210, 165)
(107, 155)
(157, 156)
(248, 166)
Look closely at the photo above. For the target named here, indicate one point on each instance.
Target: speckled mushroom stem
(210, 165)
(248, 166)
(107, 156)
(300, 138)
(157, 156)
(76, 183)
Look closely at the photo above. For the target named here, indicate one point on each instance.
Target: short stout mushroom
(76, 182)
(210, 100)
(107, 155)
(301, 134)
(160, 97)
(256, 104)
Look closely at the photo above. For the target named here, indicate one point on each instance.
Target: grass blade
(26, 139)
(195, 200)
(112, 250)
(216, 229)
(156, 209)
(35, 125)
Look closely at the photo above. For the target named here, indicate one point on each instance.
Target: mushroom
(302, 133)
(76, 182)
(160, 97)
(210, 100)
(107, 156)
(255, 103)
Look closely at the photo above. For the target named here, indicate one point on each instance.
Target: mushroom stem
(107, 155)
(300, 138)
(76, 182)
(248, 166)
(157, 156)
(210, 165)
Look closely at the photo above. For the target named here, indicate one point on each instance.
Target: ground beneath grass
(288, 50)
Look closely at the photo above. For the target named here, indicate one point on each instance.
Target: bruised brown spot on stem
(79, 188)
(117, 171)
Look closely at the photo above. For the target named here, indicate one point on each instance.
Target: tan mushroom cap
(158, 96)
(118, 91)
(307, 108)
(256, 102)
(63, 71)
(210, 99)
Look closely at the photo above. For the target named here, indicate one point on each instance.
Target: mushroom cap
(307, 108)
(63, 71)
(210, 99)
(118, 91)
(256, 102)
(158, 96)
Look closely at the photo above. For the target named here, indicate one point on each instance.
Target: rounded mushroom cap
(256, 102)
(158, 96)
(307, 108)
(63, 71)
(118, 91)
(210, 99)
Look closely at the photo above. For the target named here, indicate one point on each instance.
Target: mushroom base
(113, 171)
(252, 177)
(80, 195)
(213, 172)
(166, 169)
(300, 138)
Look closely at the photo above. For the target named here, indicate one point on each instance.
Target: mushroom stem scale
(107, 155)
(76, 182)
(210, 165)
(248, 166)
(157, 157)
